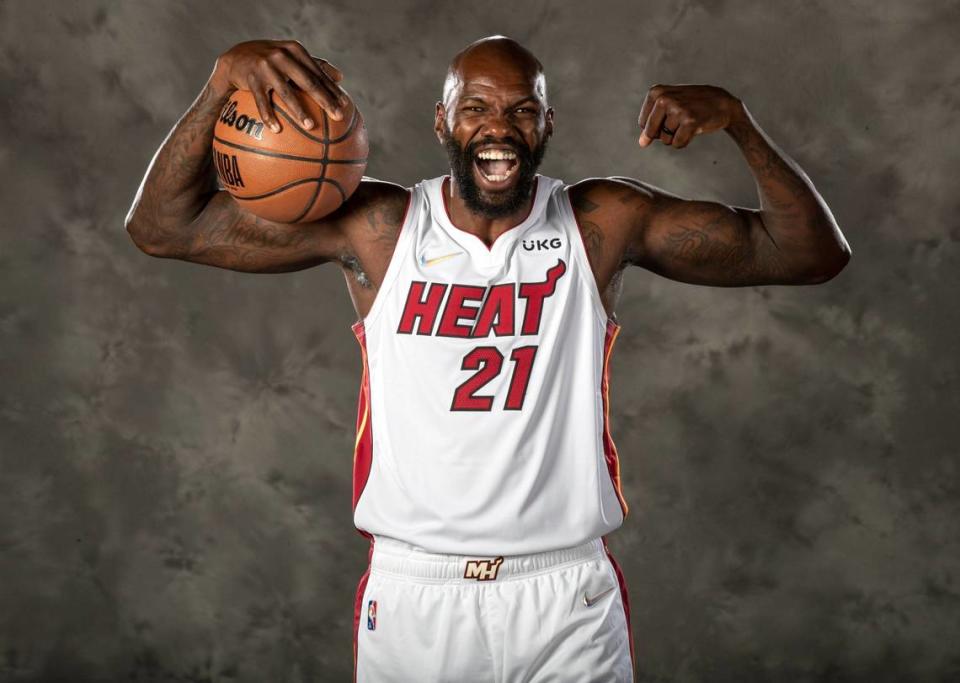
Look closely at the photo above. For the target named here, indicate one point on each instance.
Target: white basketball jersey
(482, 422)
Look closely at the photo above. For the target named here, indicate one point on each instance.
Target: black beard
(500, 204)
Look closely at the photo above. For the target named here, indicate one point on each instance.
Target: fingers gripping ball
(296, 175)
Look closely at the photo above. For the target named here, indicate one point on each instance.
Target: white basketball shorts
(553, 617)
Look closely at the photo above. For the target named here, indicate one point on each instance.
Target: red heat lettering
(418, 308)
(454, 310)
(535, 293)
(498, 307)
(496, 313)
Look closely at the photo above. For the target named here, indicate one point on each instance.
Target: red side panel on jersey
(362, 461)
(363, 446)
(609, 448)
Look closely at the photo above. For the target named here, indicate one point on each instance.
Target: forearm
(792, 212)
(181, 179)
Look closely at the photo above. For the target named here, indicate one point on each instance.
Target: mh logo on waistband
(482, 570)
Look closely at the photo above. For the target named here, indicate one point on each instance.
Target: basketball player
(485, 475)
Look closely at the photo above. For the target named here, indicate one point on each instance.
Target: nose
(496, 125)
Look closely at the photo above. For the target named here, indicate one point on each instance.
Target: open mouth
(496, 166)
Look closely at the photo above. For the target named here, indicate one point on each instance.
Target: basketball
(296, 175)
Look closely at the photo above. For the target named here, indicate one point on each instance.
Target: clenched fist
(674, 114)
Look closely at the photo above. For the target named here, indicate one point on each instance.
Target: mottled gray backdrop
(176, 440)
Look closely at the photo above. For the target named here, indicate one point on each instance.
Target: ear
(548, 128)
(439, 116)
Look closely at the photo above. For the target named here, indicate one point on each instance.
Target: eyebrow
(478, 98)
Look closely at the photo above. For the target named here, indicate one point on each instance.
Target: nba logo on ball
(372, 615)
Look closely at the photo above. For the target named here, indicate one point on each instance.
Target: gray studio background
(176, 440)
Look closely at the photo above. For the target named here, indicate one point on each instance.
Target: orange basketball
(296, 175)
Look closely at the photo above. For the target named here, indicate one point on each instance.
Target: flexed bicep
(697, 241)
(707, 243)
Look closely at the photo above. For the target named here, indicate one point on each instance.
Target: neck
(486, 229)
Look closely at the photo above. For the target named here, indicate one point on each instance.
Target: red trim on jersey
(626, 601)
(362, 461)
(446, 207)
(610, 448)
(363, 446)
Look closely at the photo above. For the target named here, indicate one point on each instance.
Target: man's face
(495, 129)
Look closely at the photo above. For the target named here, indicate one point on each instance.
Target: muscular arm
(179, 211)
(791, 239)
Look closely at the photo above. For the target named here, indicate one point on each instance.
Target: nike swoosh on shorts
(590, 602)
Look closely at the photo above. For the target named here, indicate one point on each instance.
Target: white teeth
(496, 154)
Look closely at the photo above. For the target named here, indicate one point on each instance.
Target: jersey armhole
(399, 251)
(579, 250)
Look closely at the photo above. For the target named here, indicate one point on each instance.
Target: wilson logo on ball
(243, 123)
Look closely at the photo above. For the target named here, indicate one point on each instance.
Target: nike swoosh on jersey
(424, 261)
(590, 602)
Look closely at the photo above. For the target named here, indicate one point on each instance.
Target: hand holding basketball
(261, 66)
(289, 145)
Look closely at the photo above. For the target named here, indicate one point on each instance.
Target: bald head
(494, 55)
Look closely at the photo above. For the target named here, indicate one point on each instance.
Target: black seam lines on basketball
(323, 167)
(323, 175)
(303, 181)
(291, 157)
(343, 195)
(325, 140)
(295, 183)
(353, 124)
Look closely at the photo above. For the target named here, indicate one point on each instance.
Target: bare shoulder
(609, 211)
(376, 206)
(371, 227)
(615, 194)
(589, 194)
(615, 211)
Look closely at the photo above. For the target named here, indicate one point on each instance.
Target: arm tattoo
(792, 214)
(783, 191)
(716, 243)
(182, 213)
(593, 241)
(181, 178)
(590, 231)
(229, 237)
(384, 219)
(584, 205)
